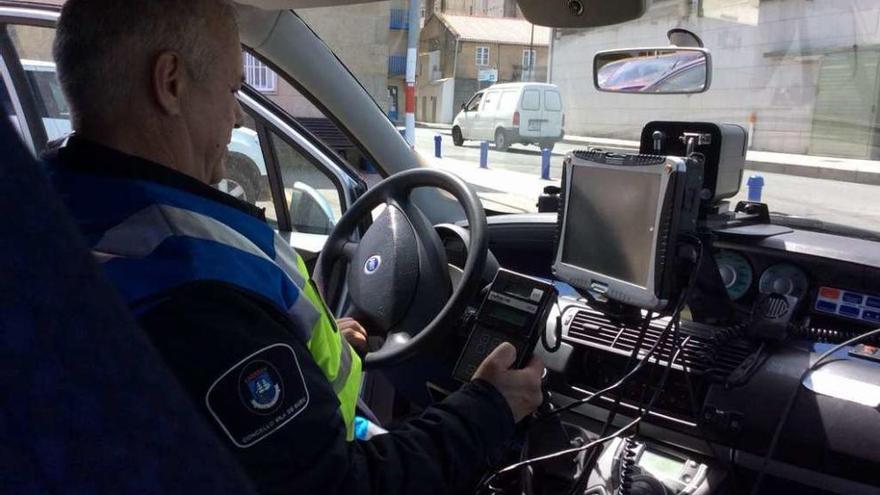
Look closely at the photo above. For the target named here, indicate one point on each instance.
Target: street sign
(488, 75)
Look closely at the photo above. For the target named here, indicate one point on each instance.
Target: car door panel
(552, 111)
(33, 40)
(483, 124)
(468, 116)
(531, 117)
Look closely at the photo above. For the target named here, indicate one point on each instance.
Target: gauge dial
(736, 272)
(784, 278)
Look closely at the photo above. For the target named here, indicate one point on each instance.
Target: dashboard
(726, 393)
(837, 280)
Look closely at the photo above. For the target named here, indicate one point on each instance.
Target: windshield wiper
(822, 226)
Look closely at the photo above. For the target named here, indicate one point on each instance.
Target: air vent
(715, 352)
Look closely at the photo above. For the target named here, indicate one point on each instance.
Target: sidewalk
(830, 168)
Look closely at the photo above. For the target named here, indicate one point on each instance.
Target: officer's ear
(169, 81)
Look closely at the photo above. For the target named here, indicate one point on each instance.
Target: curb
(855, 175)
(858, 172)
(841, 170)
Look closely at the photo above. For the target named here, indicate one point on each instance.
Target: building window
(482, 55)
(529, 59)
(258, 75)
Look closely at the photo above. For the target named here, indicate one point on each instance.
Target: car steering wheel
(397, 273)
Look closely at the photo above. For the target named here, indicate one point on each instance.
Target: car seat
(86, 403)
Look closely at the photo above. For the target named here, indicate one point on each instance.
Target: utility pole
(532, 55)
(412, 59)
(550, 55)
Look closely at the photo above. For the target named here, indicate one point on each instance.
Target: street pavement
(512, 182)
(518, 158)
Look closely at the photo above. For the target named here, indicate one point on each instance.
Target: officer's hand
(354, 334)
(521, 388)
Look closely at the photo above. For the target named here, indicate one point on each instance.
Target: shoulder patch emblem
(258, 395)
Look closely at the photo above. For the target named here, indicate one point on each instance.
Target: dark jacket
(204, 329)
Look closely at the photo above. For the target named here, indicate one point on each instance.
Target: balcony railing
(396, 65)
(399, 19)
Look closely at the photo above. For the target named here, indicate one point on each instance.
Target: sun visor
(297, 4)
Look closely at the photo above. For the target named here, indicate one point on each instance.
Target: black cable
(627, 458)
(627, 467)
(633, 356)
(679, 306)
(789, 406)
(676, 315)
(577, 486)
(488, 481)
(695, 411)
(615, 385)
(674, 321)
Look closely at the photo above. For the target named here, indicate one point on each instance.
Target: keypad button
(826, 306)
(873, 316)
(851, 311)
(849, 297)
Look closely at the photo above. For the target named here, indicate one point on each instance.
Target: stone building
(462, 54)
(806, 73)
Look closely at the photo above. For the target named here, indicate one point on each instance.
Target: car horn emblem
(373, 263)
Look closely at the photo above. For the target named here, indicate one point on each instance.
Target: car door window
(531, 99)
(33, 47)
(6, 104)
(688, 80)
(490, 102)
(552, 101)
(474, 104)
(306, 198)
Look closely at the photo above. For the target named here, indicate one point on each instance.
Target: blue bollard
(756, 185)
(545, 164)
(438, 143)
(484, 154)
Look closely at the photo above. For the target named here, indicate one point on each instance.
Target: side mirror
(464, 107)
(310, 212)
(653, 70)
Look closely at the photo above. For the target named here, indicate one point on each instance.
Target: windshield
(801, 76)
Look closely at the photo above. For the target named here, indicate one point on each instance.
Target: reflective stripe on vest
(171, 237)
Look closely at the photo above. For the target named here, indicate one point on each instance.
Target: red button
(829, 293)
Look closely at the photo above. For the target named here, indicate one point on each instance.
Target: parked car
(686, 78)
(525, 113)
(246, 168)
(638, 74)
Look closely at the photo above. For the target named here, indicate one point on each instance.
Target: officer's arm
(258, 386)
(445, 450)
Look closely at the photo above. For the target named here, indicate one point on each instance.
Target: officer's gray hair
(104, 48)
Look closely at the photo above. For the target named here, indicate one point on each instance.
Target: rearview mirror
(653, 70)
(581, 13)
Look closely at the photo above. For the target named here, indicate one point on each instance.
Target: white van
(526, 113)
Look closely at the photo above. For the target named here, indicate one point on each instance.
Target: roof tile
(495, 29)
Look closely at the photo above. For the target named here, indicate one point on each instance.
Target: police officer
(151, 85)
